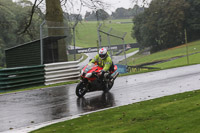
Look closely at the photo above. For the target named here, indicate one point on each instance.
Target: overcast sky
(114, 4)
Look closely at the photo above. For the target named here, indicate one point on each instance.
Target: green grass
(71, 57)
(193, 59)
(177, 113)
(130, 51)
(84, 57)
(138, 72)
(86, 32)
(167, 54)
(120, 20)
(78, 56)
(127, 52)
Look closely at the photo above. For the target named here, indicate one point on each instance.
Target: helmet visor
(102, 55)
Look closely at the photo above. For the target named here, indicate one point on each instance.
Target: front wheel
(108, 86)
(80, 89)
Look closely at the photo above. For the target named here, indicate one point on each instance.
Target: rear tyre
(80, 89)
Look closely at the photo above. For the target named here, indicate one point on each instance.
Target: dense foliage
(13, 19)
(100, 14)
(127, 13)
(119, 13)
(163, 24)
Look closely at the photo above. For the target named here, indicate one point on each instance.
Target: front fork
(86, 84)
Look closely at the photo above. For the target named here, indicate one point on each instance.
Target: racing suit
(106, 63)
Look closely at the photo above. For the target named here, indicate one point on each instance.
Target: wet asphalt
(27, 108)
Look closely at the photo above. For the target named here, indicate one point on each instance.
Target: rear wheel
(80, 89)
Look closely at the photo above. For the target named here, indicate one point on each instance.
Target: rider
(103, 60)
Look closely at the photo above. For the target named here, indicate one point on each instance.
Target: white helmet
(103, 53)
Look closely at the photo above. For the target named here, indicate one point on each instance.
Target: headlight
(88, 75)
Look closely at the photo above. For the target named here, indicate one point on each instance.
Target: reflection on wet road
(94, 103)
(36, 106)
(27, 108)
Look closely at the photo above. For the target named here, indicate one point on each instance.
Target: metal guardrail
(61, 72)
(21, 77)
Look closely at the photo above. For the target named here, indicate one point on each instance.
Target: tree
(142, 3)
(90, 16)
(87, 15)
(7, 22)
(2, 55)
(121, 13)
(192, 23)
(54, 18)
(161, 25)
(102, 15)
(22, 17)
(13, 20)
(73, 17)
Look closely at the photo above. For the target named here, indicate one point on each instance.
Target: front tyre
(108, 86)
(80, 89)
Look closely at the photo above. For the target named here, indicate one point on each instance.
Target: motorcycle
(91, 81)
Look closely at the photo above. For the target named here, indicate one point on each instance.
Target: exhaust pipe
(115, 76)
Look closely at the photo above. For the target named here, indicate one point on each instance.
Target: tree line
(119, 13)
(165, 22)
(13, 19)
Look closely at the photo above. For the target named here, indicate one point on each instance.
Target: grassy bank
(130, 51)
(71, 57)
(193, 47)
(177, 113)
(193, 59)
(86, 32)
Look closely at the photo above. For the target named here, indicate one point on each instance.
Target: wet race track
(25, 109)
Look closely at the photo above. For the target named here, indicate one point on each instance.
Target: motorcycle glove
(102, 74)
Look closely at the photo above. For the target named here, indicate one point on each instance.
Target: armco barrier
(61, 72)
(21, 77)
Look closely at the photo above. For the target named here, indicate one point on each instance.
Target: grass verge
(138, 59)
(84, 57)
(176, 113)
(130, 51)
(193, 59)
